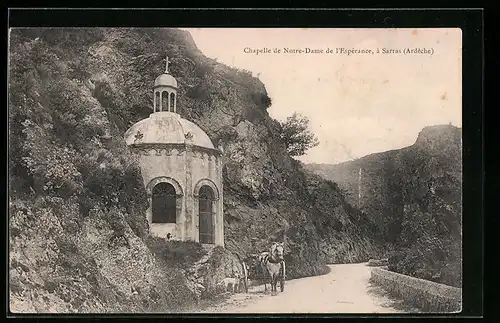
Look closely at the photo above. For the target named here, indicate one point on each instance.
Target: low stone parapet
(426, 295)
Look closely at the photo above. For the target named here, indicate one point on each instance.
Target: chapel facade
(181, 169)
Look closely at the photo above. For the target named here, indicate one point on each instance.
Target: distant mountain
(414, 198)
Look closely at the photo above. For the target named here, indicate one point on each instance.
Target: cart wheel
(282, 281)
(245, 277)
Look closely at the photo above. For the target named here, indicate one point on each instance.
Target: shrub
(420, 261)
(175, 253)
(198, 92)
(71, 38)
(202, 70)
(261, 99)
(226, 134)
(117, 222)
(296, 135)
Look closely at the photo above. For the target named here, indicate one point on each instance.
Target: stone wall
(424, 294)
(186, 168)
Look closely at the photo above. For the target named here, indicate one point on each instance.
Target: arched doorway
(164, 203)
(206, 222)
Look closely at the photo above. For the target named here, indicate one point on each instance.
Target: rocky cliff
(78, 235)
(414, 198)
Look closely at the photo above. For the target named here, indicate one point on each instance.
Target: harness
(271, 258)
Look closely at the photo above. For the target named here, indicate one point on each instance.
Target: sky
(357, 104)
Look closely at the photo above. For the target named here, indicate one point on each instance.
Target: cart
(252, 270)
(282, 280)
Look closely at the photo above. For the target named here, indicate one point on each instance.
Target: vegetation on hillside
(77, 201)
(413, 197)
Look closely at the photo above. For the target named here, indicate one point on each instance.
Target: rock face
(78, 232)
(209, 271)
(414, 198)
(67, 264)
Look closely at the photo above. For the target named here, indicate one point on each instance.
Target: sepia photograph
(235, 170)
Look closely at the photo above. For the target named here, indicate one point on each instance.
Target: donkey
(273, 263)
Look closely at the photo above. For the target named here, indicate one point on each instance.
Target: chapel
(181, 169)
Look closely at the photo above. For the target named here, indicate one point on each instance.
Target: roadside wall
(426, 295)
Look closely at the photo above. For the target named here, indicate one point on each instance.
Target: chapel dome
(166, 128)
(166, 80)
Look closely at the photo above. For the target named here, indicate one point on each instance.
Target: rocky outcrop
(211, 269)
(64, 264)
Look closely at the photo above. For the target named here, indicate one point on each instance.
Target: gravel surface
(346, 289)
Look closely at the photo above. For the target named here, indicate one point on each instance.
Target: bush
(71, 38)
(198, 92)
(261, 99)
(226, 134)
(421, 262)
(180, 294)
(56, 129)
(202, 70)
(296, 135)
(428, 246)
(176, 253)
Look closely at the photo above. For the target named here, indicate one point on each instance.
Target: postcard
(235, 170)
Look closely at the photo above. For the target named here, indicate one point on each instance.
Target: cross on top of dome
(166, 64)
(166, 79)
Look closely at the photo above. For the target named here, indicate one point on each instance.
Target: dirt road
(346, 289)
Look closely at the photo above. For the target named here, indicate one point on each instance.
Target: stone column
(211, 166)
(215, 220)
(175, 102)
(143, 154)
(179, 228)
(154, 101)
(191, 221)
(221, 218)
(220, 209)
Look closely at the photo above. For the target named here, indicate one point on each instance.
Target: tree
(296, 135)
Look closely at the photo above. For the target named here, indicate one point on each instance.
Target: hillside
(413, 197)
(78, 235)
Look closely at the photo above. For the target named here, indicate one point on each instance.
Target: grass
(176, 253)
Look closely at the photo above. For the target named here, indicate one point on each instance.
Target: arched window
(164, 101)
(172, 102)
(206, 198)
(157, 102)
(164, 203)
